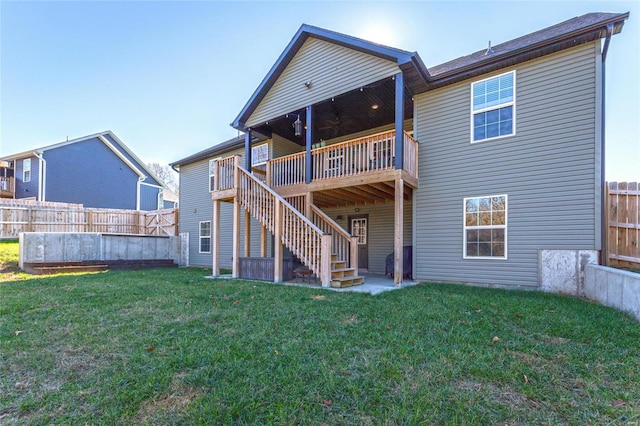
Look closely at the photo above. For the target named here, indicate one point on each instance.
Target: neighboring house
(491, 165)
(169, 199)
(96, 170)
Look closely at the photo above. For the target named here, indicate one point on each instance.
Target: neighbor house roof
(418, 78)
(101, 136)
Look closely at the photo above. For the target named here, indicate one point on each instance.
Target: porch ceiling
(372, 193)
(345, 114)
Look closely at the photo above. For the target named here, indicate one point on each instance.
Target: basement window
(485, 227)
(205, 237)
(493, 107)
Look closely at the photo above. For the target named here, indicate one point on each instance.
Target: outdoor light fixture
(297, 126)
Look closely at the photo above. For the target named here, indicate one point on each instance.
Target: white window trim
(506, 104)
(209, 172)
(26, 170)
(253, 163)
(200, 236)
(465, 227)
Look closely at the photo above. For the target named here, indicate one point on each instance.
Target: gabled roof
(409, 62)
(101, 136)
(418, 78)
(217, 150)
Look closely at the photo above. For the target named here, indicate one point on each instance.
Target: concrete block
(52, 246)
(149, 248)
(614, 290)
(72, 247)
(134, 247)
(589, 282)
(600, 287)
(631, 295)
(559, 271)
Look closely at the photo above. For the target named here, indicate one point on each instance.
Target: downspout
(42, 176)
(603, 182)
(140, 180)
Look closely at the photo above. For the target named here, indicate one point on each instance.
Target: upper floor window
(212, 173)
(493, 107)
(26, 170)
(259, 154)
(485, 227)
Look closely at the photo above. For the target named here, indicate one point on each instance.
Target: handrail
(343, 244)
(306, 240)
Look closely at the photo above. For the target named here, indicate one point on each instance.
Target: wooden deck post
(353, 253)
(325, 262)
(215, 238)
(398, 271)
(277, 235)
(247, 233)
(263, 241)
(236, 239)
(399, 122)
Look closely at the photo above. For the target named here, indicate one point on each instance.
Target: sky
(168, 77)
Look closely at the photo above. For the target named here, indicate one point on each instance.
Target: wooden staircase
(342, 276)
(316, 246)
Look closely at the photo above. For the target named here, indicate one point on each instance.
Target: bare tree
(166, 174)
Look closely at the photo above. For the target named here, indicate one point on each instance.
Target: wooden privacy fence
(623, 203)
(44, 217)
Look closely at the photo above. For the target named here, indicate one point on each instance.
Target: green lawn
(170, 347)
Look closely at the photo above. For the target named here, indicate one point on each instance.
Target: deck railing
(371, 153)
(223, 173)
(6, 185)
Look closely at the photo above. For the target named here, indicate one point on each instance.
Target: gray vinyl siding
(196, 206)
(381, 229)
(27, 189)
(349, 70)
(281, 147)
(549, 170)
(90, 173)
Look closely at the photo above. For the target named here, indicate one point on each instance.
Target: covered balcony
(356, 171)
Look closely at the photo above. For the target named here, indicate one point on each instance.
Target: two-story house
(490, 166)
(97, 170)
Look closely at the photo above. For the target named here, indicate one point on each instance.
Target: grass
(167, 346)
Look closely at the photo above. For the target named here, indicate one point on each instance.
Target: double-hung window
(259, 154)
(485, 227)
(26, 170)
(205, 237)
(493, 112)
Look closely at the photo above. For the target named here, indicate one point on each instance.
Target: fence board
(30, 216)
(624, 224)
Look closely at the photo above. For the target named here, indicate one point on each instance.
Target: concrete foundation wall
(613, 287)
(67, 246)
(563, 271)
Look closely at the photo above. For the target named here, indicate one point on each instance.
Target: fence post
(29, 219)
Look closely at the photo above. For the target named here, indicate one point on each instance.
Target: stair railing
(305, 240)
(343, 244)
